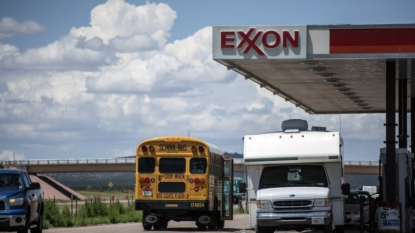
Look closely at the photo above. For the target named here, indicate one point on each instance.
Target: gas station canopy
(328, 69)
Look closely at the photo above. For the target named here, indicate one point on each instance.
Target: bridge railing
(129, 161)
(69, 161)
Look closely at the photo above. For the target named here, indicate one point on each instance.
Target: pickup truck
(21, 202)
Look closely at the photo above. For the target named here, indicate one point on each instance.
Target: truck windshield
(10, 181)
(293, 175)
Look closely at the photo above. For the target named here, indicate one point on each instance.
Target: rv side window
(293, 175)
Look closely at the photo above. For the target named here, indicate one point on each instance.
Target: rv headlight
(322, 202)
(263, 204)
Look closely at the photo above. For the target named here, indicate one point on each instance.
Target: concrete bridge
(128, 165)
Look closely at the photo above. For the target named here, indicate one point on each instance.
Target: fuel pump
(404, 162)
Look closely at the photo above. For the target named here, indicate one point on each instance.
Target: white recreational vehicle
(295, 179)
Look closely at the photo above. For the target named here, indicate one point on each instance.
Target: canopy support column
(403, 104)
(390, 169)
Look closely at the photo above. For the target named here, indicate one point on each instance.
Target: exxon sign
(259, 42)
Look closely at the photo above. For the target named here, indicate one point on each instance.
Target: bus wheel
(221, 224)
(200, 226)
(213, 224)
(160, 224)
(146, 226)
(164, 224)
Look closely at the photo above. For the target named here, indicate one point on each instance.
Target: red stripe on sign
(388, 40)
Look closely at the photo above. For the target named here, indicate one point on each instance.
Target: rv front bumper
(300, 218)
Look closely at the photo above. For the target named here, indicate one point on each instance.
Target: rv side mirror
(242, 187)
(346, 189)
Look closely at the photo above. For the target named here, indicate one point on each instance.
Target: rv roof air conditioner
(318, 128)
(294, 125)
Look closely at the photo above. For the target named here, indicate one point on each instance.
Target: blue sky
(72, 89)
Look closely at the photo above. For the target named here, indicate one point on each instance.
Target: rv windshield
(293, 175)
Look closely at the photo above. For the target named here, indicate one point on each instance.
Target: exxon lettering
(250, 38)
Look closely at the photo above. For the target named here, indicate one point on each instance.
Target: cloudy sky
(91, 79)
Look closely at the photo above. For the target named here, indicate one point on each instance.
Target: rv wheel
(339, 229)
(259, 229)
(328, 228)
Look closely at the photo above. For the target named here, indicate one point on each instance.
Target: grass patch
(94, 213)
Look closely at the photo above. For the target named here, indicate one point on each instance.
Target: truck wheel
(39, 224)
(26, 226)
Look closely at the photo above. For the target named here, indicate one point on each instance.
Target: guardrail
(130, 161)
(69, 161)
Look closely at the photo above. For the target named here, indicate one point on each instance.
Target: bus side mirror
(242, 187)
(346, 189)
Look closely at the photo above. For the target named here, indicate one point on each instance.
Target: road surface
(238, 225)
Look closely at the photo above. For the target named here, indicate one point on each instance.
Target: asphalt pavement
(240, 224)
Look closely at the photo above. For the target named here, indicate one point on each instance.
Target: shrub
(51, 213)
(100, 208)
(86, 211)
(118, 208)
(45, 224)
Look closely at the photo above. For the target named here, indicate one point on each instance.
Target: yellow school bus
(183, 179)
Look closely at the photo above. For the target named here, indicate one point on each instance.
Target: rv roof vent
(318, 128)
(299, 124)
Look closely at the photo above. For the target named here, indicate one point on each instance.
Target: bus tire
(164, 224)
(221, 224)
(160, 224)
(213, 224)
(146, 226)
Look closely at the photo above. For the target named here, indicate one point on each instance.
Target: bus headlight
(322, 202)
(263, 204)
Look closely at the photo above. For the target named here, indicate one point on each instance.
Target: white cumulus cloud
(10, 27)
(118, 18)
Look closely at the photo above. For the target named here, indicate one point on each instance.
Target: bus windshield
(293, 175)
